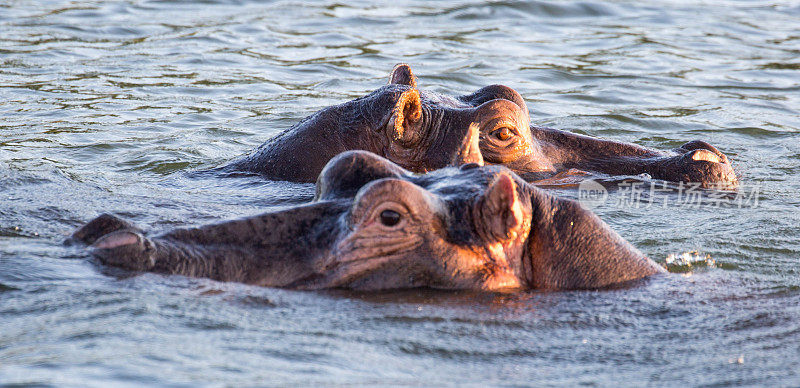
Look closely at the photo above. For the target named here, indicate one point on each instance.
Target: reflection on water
(110, 106)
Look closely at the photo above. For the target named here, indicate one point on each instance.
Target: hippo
(423, 131)
(374, 225)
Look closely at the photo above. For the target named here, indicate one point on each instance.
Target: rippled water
(106, 106)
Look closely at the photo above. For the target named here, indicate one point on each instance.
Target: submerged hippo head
(418, 130)
(423, 131)
(374, 226)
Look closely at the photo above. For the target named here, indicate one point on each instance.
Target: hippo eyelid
(499, 122)
(377, 213)
(511, 129)
(493, 142)
(402, 196)
(382, 189)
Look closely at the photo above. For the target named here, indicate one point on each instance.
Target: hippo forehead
(346, 175)
(391, 93)
(465, 181)
(441, 100)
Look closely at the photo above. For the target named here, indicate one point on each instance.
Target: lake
(108, 106)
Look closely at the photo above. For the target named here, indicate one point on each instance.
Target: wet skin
(374, 225)
(423, 131)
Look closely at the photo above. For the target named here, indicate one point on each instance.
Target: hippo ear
(125, 248)
(499, 215)
(470, 150)
(402, 75)
(99, 227)
(406, 117)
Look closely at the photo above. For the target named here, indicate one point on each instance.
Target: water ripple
(121, 106)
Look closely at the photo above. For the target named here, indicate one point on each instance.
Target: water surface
(108, 105)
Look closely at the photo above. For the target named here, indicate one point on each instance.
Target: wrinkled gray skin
(423, 131)
(373, 225)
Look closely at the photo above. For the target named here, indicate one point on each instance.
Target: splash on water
(688, 261)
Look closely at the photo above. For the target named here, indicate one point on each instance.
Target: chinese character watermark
(642, 195)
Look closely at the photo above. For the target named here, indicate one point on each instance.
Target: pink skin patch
(706, 155)
(116, 240)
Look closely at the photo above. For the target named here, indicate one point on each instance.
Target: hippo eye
(503, 133)
(390, 217)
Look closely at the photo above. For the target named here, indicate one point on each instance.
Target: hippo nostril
(390, 217)
(469, 166)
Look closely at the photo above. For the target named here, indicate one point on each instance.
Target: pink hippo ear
(402, 75)
(499, 215)
(125, 248)
(407, 117)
